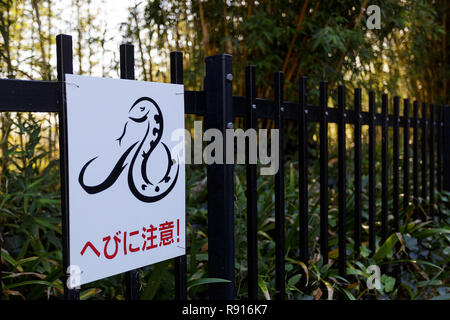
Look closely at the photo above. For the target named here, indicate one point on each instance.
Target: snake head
(139, 111)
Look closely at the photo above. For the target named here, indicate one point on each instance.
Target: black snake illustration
(146, 115)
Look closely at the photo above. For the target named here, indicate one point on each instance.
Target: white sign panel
(126, 182)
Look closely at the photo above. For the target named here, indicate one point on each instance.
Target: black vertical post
(324, 171)
(219, 115)
(357, 159)
(439, 128)
(384, 168)
(416, 158)
(424, 156)
(176, 77)
(342, 175)
(279, 190)
(303, 176)
(127, 61)
(406, 131)
(446, 152)
(127, 72)
(395, 164)
(432, 160)
(1, 282)
(440, 132)
(252, 197)
(396, 178)
(64, 59)
(372, 193)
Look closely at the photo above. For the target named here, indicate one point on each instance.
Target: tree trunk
(45, 68)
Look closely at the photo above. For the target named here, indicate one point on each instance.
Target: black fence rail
(219, 107)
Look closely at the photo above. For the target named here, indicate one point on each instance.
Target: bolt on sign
(126, 184)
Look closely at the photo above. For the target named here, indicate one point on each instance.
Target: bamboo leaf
(35, 282)
(387, 248)
(155, 280)
(262, 285)
(202, 281)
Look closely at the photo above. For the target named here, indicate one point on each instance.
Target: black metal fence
(219, 107)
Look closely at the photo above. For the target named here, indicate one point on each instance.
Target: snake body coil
(146, 114)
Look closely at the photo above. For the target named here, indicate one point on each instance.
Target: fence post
(406, 133)
(371, 173)
(432, 160)
(424, 157)
(395, 164)
(323, 133)
(439, 129)
(357, 165)
(252, 196)
(280, 273)
(1, 283)
(416, 158)
(342, 219)
(219, 115)
(176, 76)
(127, 72)
(64, 66)
(446, 129)
(384, 168)
(303, 176)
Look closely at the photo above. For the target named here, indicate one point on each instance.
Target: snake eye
(142, 108)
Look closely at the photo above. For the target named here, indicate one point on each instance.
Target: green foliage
(30, 216)
(324, 40)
